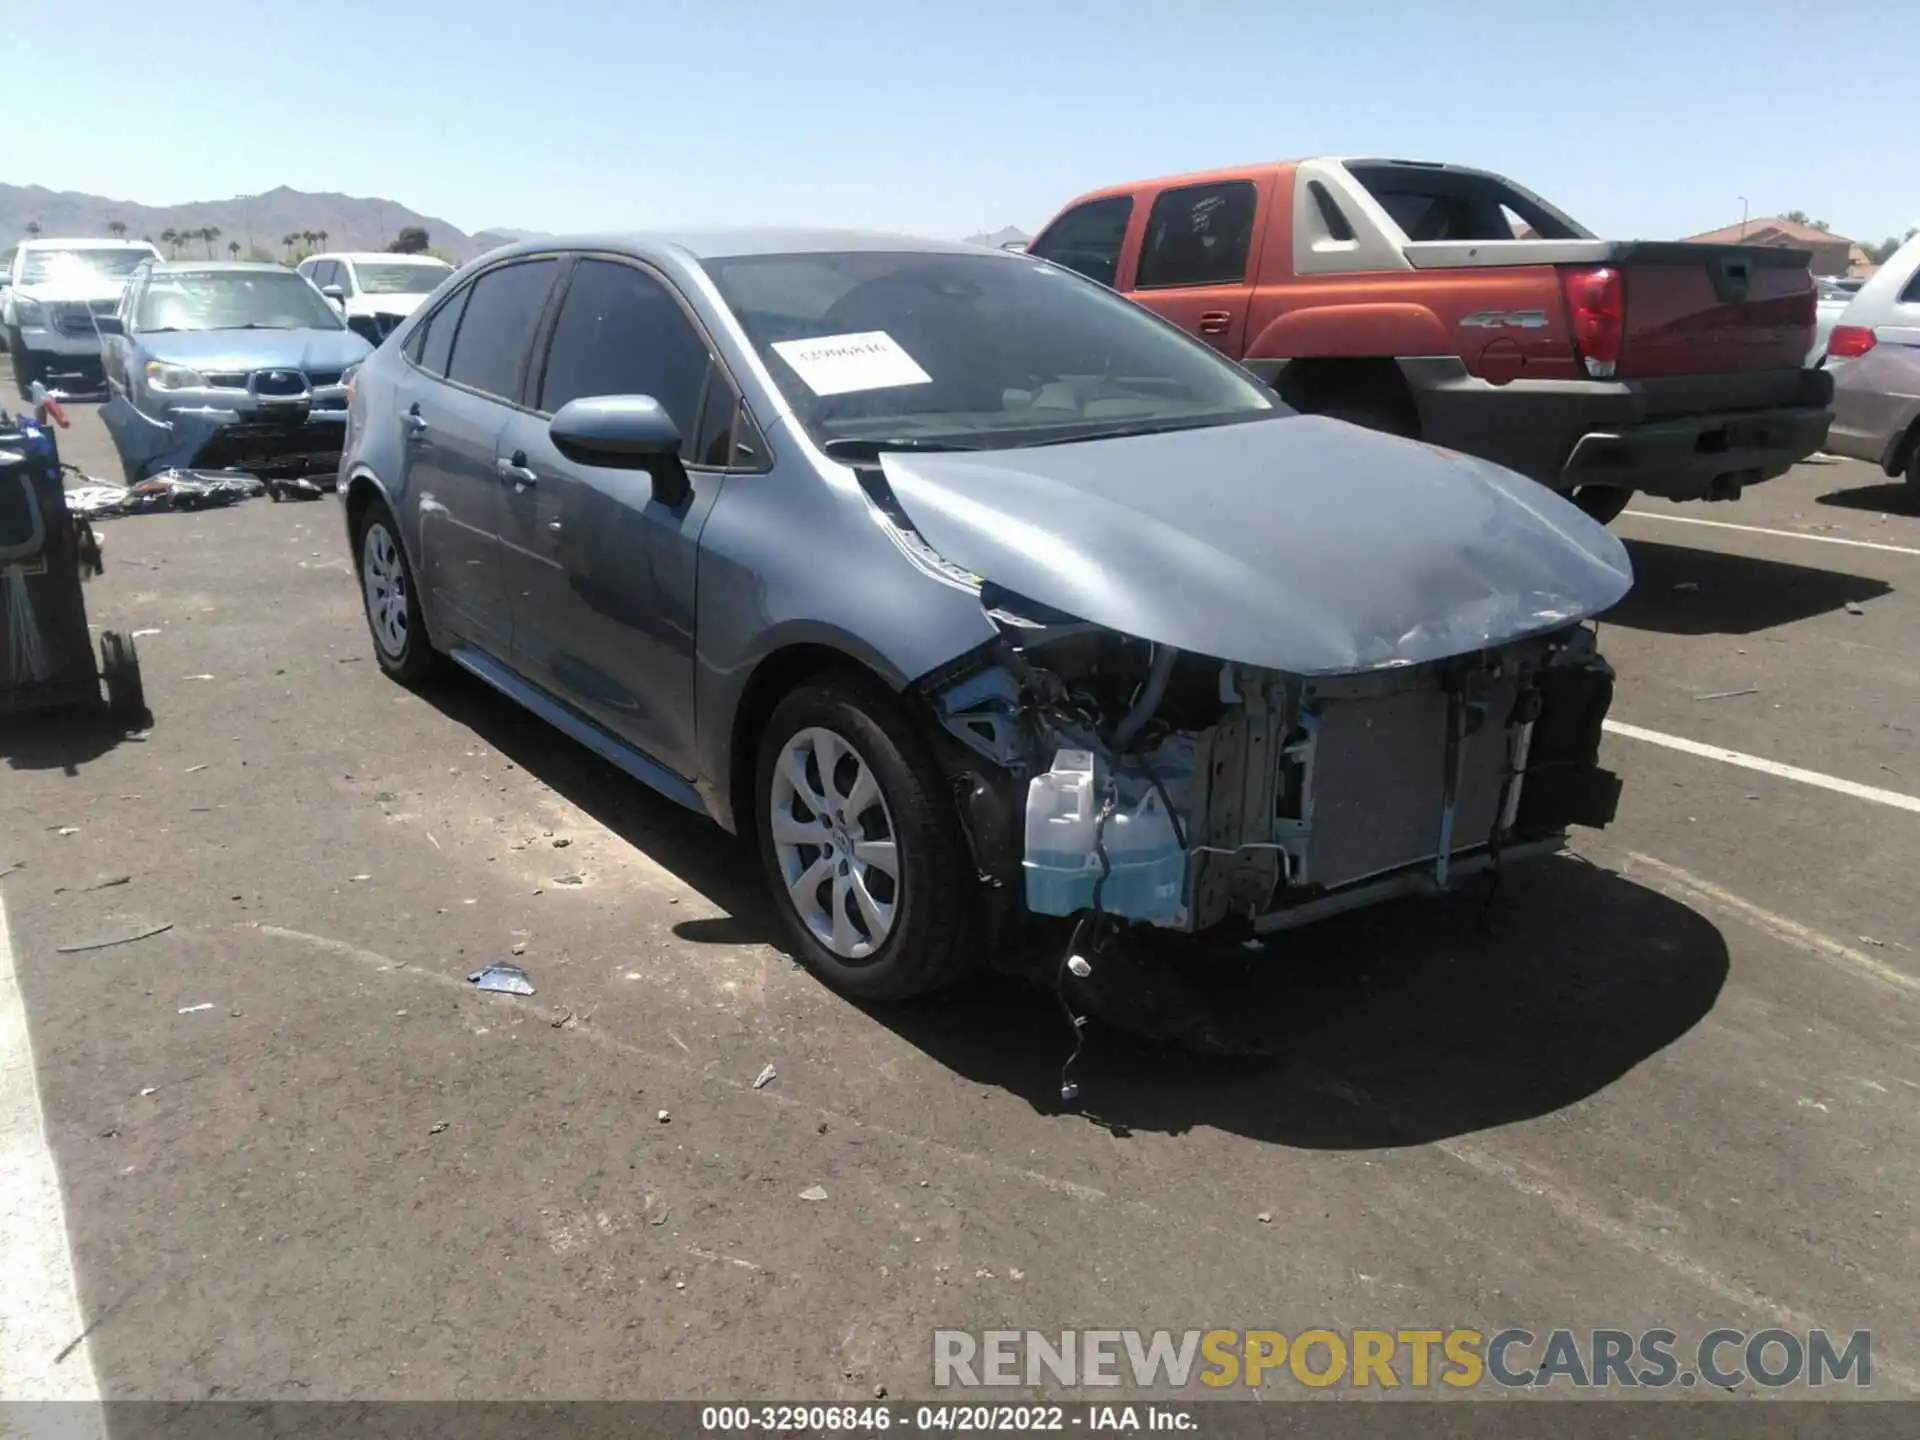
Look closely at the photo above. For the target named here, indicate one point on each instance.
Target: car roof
(736, 242)
(84, 243)
(383, 256)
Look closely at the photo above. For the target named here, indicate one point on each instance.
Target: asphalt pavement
(1670, 1082)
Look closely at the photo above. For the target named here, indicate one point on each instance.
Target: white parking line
(1802, 937)
(43, 1355)
(1766, 767)
(1783, 534)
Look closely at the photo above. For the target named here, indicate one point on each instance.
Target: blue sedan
(227, 366)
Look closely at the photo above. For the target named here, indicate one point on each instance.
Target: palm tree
(290, 239)
(33, 229)
(310, 238)
(210, 233)
(170, 238)
(321, 236)
(117, 228)
(233, 249)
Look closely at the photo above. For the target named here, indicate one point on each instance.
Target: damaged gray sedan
(972, 592)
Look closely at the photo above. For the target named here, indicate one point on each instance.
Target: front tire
(860, 843)
(391, 600)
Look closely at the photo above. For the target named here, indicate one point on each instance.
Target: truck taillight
(1849, 342)
(1597, 309)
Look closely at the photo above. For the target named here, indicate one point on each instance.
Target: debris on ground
(764, 1078)
(66, 829)
(151, 930)
(1265, 1217)
(195, 769)
(1729, 694)
(142, 634)
(437, 1128)
(195, 1009)
(1869, 940)
(562, 843)
(569, 879)
(503, 980)
(814, 1192)
(107, 882)
(663, 1117)
(1854, 608)
(300, 489)
(520, 949)
(170, 490)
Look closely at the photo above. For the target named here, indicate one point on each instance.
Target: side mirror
(109, 325)
(624, 432)
(335, 294)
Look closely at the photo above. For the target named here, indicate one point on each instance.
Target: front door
(600, 568)
(454, 404)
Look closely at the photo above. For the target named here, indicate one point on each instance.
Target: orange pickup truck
(1455, 306)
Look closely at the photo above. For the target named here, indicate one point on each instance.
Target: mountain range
(263, 221)
(349, 222)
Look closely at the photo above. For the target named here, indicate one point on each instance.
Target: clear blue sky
(1642, 119)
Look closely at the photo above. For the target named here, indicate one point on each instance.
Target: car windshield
(117, 263)
(399, 277)
(976, 351)
(234, 300)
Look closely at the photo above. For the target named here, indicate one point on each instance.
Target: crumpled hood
(225, 350)
(1299, 543)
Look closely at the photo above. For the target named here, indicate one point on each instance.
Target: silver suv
(1874, 353)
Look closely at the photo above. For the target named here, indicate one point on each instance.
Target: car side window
(307, 268)
(432, 344)
(323, 274)
(503, 306)
(719, 416)
(343, 276)
(1089, 238)
(1198, 235)
(620, 331)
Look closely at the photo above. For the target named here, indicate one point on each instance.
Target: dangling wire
(1088, 921)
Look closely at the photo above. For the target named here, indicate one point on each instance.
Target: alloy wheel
(836, 844)
(384, 577)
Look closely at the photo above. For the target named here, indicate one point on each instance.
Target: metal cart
(46, 553)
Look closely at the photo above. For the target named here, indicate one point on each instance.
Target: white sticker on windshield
(842, 364)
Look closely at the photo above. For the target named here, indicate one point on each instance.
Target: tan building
(1832, 254)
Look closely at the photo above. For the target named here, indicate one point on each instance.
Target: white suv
(59, 288)
(375, 290)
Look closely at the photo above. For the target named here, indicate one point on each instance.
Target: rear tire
(1913, 472)
(391, 599)
(868, 933)
(1601, 502)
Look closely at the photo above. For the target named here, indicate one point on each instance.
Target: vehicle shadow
(1397, 1026)
(1682, 591)
(62, 740)
(691, 846)
(1890, 497)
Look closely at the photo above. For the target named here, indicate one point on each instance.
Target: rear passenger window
(432, 343)
(1200, 235)
(1088, 239)
(1910, 295)
(503, 306)
(621, 332)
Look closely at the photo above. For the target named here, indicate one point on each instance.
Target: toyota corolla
(971, 592)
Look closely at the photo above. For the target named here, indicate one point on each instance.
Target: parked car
(1395, 294)
(1832, 300)
(971, 592)
(56, 290)
(221, 365)
(1874, 354)
(376, 290)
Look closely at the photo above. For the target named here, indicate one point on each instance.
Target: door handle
(416, 423)
(516, 470)
(1215, 322)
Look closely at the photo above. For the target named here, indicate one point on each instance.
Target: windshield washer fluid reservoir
(1146, 877)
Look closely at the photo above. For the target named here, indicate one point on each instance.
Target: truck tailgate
(1709, 309)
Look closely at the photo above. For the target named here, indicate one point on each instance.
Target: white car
(375, 290)
(58, 289)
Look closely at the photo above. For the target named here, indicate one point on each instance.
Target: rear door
(1196, 258)
(457, 398)
(600, 571)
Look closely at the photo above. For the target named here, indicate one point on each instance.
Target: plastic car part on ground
(504, 979)
(172, 490)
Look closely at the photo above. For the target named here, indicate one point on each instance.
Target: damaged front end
(1187, 792)
(278, 425)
